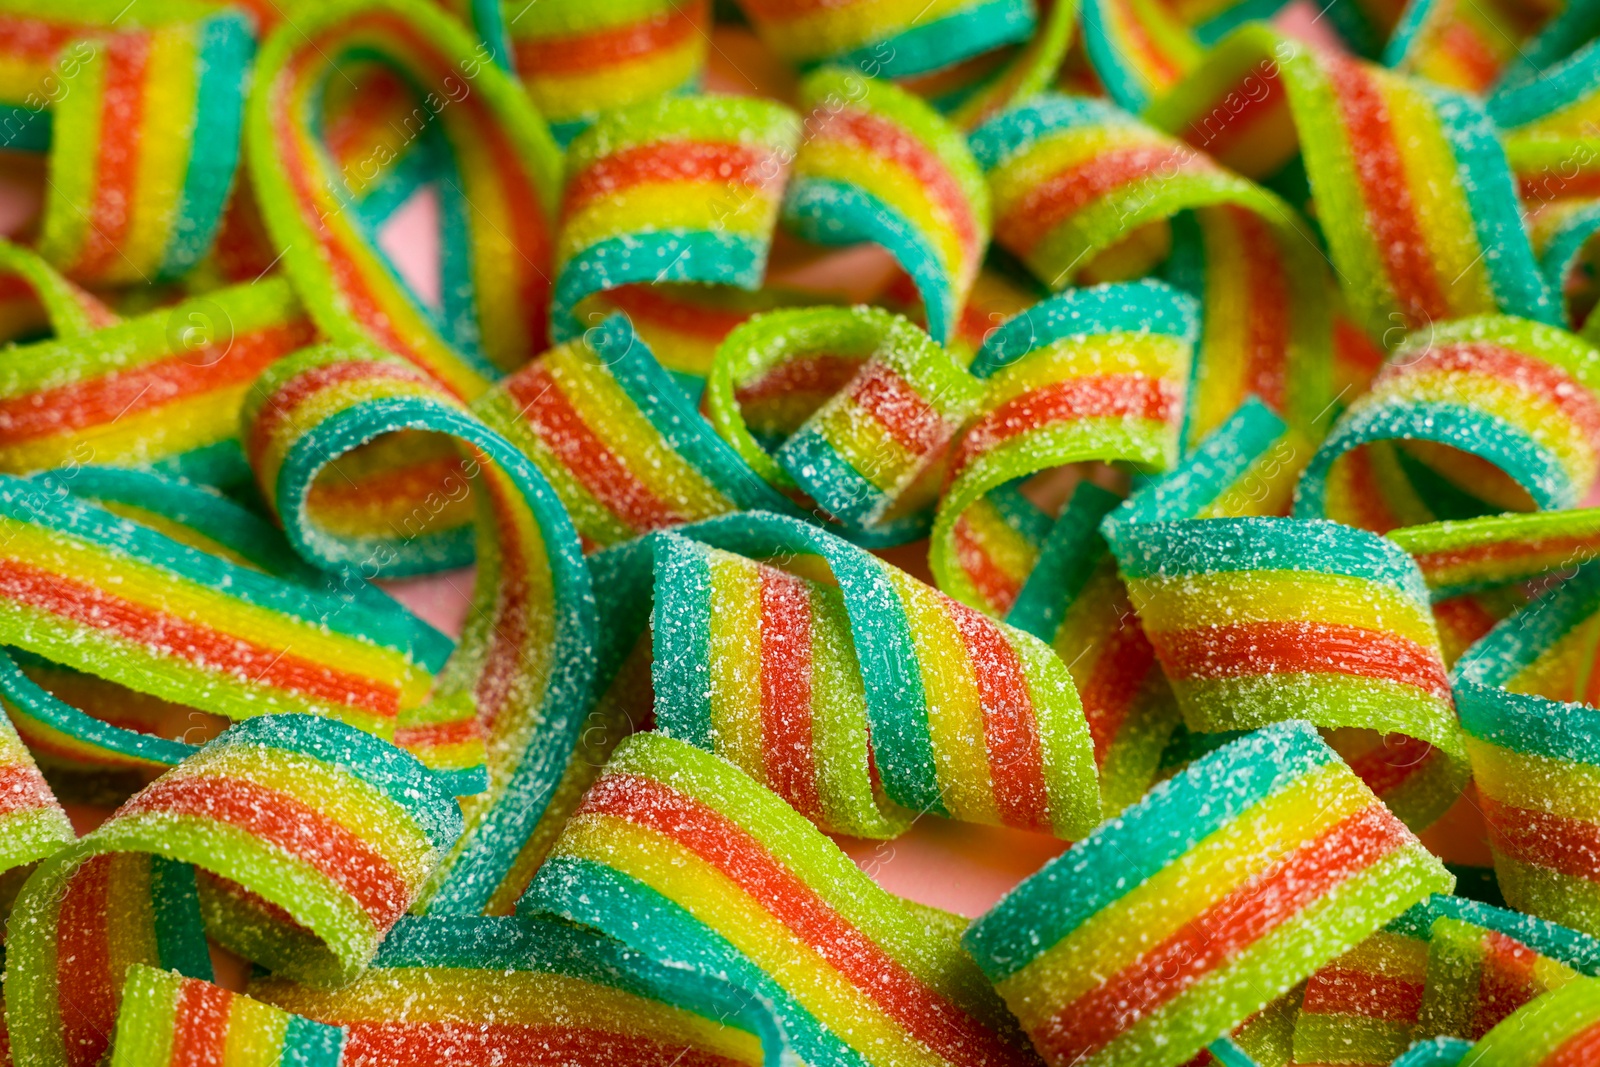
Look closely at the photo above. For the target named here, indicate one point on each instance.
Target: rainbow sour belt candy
(852, 409)
(501, 175)
(682, 189)
(877, 164)
(1469, 555)
(866, 704)
(1481, 414)
(1223, 888)
(1561, 1029)
(1087, 374)
(167, 1020)
(530, 990)
(579, 59)
(684, 859)
(519, 678)
(160, 390)
(1534, 755)
(35, 298)
(140, 113)
(32, 824)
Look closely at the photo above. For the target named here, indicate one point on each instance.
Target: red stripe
(1118, 674)
(1391, 214)
(200, 1025)
(117, 161)
(1010, 731)
(999, 589)
(1580, 1050)
(1261, 905)
(786, 690)
(589, 53)
(1102, 396)
(85, 990)
(921, 1012)
(817, 375)
(1052, 201)
(1505, 983)
(282, 820)
(1252, 649)
(1555, 842)
(676, 310)
(602, 472)
(1573, 548)
(1395, 761)
(893, 404)
(471, 1043)
(22, 788)
(1268, 302)
(891, 141)
(102, 400)
(1338, 990)
(169, 636)
(32, 37)
(287, 398)
(671, 161)
(1473, 54)
(1527, 373)
(1240, 121)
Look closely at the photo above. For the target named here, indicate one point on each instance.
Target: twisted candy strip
(1425, 229)
(877, 164)
(1477, 415)
(520, 675)
(1075, 600)
(1222, 889)
(1469, 555)
(486, 990)
(620, 442)
(135, 194)
(684, 859)
(975, 91)
(115, 727)
(1260, 619)
(1087, 374)
(867, 703)
(167, 1020)
(682, 189)
(116, 600)
(1533, 754)
(1470, 47)
(578, 60)
(111, 912)
(889, 38)
(852, 409)
(500, 175)
(160, 390)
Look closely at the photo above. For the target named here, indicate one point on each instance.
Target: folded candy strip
(878, 165)
(35, 299)
(679, 189)
(1467, 417)
(1088, 374)
(502, 989)
(314, 838)
(686, 860)
(500, 176)
(1222, 889)
(518, 681)
(578, 60)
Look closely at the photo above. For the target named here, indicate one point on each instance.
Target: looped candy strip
(869, 698)
(850, 411)
(684, 859)
(681, 189)
(168, 1020)
(315, 838)
(1088, 374)
(159, 390)
(579, 59)
(1470, 555)
(1533, 752)
(1409, 181)
(518, 680)
(877, 164)
(500, 174)
(1258, 619)
(1467, 417)
(35, 300)
(1223, 888)
(888, 38)
(140, 116)
(32, 823)
(497, 989)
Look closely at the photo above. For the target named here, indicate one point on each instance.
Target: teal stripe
(934, 45)
(22, 129)
(179, 929)
(1016, 131)
(1122, 854)
(681, 634)
(1516, 642)
(312, 1044)
(1146, 306)
(1208, 472)
(38, 703)
(830, 478)
(1072, 553)
(1578, 951)
(1530, 725)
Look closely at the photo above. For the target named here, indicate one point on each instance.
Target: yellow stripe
(1538, 783)
(566, 98)
(255, 1034)
(691, 205)
(170, 92)
(1152, 355)
(1061, 150)
(891, 183)
(734, 647)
